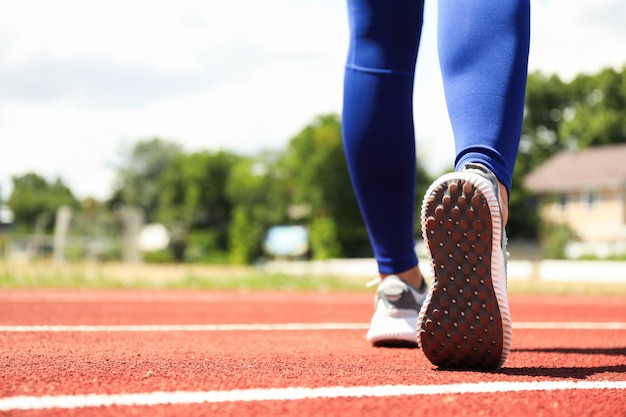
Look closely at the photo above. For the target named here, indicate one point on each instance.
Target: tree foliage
(587, 111)
(140, 173)
(219, 205)
(316, 167)
(35, 200)
(192, 201)
(597, 109)
(258, 189)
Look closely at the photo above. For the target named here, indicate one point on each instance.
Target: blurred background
(206, 132)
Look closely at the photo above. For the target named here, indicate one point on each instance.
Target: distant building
(587, 191)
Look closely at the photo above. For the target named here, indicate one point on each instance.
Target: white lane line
(188, 327)
(571, 325)
(260, 327)
(291, 394)
(183, 297)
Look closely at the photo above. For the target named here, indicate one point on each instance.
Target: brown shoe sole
(462, 324)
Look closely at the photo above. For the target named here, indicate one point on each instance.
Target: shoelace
(373, 282)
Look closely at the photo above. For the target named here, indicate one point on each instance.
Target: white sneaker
(465, 320)
(396, 306)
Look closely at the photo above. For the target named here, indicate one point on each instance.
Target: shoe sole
(465, 321)
(393, 332)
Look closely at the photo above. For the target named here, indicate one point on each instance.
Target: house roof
(592, 168)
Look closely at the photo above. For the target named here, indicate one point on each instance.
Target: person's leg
(483, 53)
(377, 122)
(379, 141)
(465, 320)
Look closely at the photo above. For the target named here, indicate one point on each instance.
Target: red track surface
(43, 363)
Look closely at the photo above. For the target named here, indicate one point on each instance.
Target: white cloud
(573, 36)
(79, 78)
(144, 33)
(83, 77)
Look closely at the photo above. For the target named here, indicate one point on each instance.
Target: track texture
(75, 363)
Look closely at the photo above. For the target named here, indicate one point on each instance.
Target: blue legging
(483, 53)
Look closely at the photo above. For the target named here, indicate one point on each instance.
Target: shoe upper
(396, 295)
(486, 173)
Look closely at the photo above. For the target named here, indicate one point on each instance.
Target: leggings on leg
(483, 54)
(483, 47)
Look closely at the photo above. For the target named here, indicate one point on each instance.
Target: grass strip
(225, 277)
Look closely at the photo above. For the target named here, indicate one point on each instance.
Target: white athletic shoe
(465, 322)
(396, 305)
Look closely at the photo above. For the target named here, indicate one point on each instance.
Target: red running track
(129, 348)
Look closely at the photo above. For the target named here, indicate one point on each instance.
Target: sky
(82, 81)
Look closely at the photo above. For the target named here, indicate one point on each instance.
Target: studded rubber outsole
(464, 322)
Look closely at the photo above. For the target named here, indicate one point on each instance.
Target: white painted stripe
(187, 327)
(573, 325)
(174, 297)
(260, 327)
(291, 394)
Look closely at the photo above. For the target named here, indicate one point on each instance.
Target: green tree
(588, 111)
(523, 222)
(194, 204)
(139, 175)
(319, 179)
(258, 191)
(545, 102)
(422, 182)
(34, 200)
(597, 110)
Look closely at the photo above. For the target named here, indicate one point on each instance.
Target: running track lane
(568, 358)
